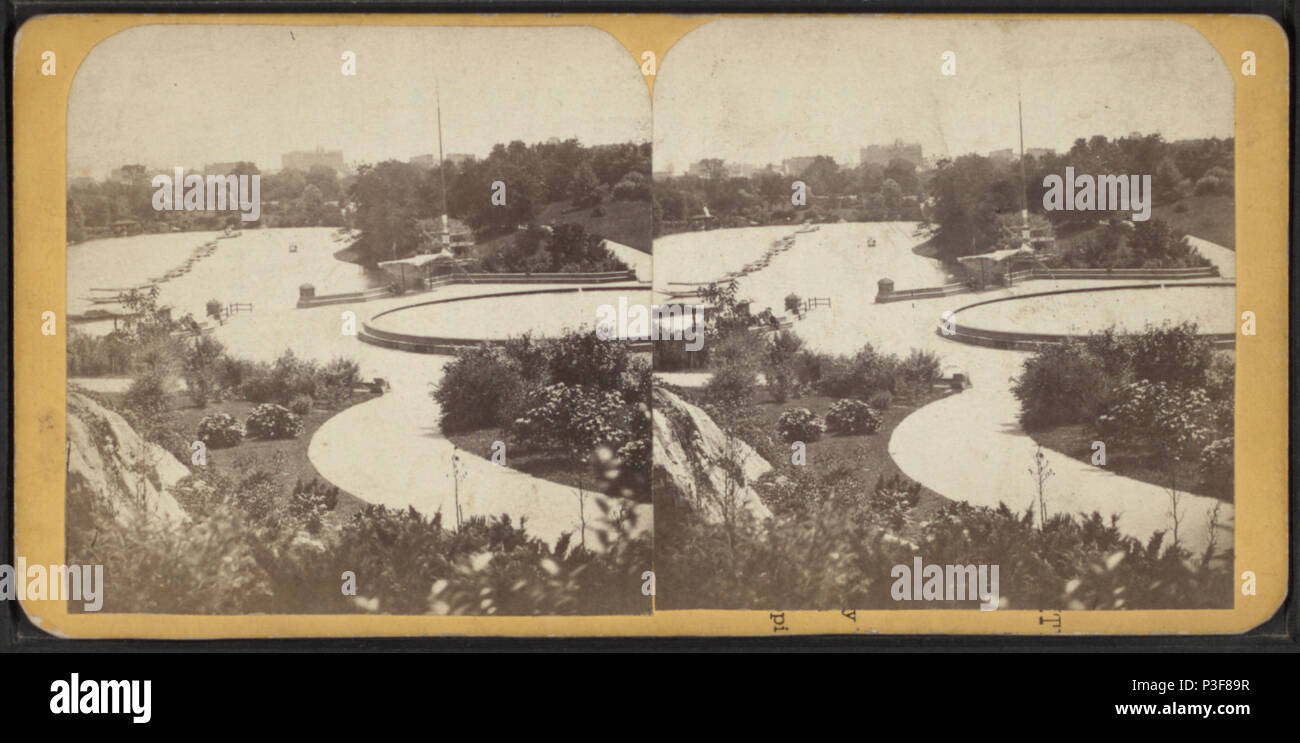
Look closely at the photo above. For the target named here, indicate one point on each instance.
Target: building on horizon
(230, 167)
(877, 154)
(307, 159)
(796, 165)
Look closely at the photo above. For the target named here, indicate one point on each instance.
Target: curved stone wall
(1029, 341)
(374, 334)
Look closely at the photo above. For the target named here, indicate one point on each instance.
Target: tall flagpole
(1020, 117)
(1024, 185)
(442, 171)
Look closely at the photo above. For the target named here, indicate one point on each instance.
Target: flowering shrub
(220, 430)
(799, 424)
(852, 416)
(572, 419)
(1158, 414)
(892, 501)
(271, 421)
(1216, 465)
(312, 500)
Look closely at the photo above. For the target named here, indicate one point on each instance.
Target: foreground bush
(799, 424)
(311, 500)
(148, 395)
(572, 420)
(200, 368)
(1216, 466)
(1062, 384)
(835, 550)
(220, 431)
(489, 567)
(271, 421)
(852, 416)
(482, 388)
(868, 373)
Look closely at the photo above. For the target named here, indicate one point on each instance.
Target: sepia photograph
(333, 295)
(596, 327)
(965, 299)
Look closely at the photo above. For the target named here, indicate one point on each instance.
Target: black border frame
(1281, 633)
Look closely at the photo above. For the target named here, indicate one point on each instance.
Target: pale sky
(759, 90)
(189, 95)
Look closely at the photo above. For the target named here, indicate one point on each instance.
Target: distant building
(221, 168)
(1004, 155)
(307, 159)
(796, 165)
(130, 174)
(878, 154)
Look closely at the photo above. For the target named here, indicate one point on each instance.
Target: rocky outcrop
(698, 468)
(108, 459)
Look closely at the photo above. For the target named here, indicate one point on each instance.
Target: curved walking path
(969, 446)
(389, 451)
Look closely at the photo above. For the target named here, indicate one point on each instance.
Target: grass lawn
(626, 222)
(287, 458)
(1076, 442)
(866, 454)
(1208, 217)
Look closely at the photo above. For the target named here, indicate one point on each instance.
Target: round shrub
(301, 405)
(572, 419)
(852, 416)
(220, 431)
(799, 424)
(147, 395)
(1216, 465)
(482, 388)
(271, 421)
(881, 400)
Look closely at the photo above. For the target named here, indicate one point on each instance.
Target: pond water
(255, 268)
(836, 261)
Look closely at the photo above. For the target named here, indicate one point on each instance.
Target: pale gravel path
(970, 446)
(389, 451)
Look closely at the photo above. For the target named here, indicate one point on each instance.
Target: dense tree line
(866, 193)
(397, 204)
(971, 194)
(290, 198)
